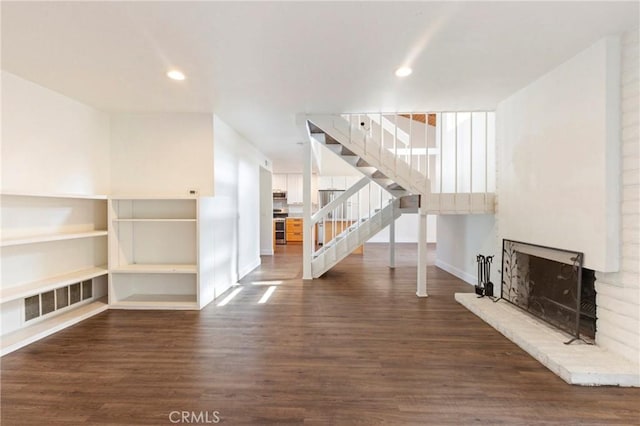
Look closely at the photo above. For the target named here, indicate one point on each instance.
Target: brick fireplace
(568, 175)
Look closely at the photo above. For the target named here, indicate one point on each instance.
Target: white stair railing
(457, 154)
(347, 213)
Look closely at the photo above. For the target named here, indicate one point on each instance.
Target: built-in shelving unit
(54, 256)
(156, 250)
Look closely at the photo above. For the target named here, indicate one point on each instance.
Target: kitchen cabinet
(295, 189)
(294, 230)
(335, 227)
(279, 182)
(331, 182)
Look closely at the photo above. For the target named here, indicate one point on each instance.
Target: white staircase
(356, 234)
(426, 162)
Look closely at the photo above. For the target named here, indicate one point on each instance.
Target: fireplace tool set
(484, 286)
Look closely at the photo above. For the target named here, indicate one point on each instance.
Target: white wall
(559, 173)
(51, 143)
(333, 165)
(460, 239)
(237, 200)
(162, 153)
(407, 230)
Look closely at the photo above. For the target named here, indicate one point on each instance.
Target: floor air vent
(50, 301)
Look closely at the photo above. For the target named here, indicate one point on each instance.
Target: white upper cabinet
(279, 182)
(294, 189)
(332, 182)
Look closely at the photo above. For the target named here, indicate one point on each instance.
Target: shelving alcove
(54, 263)
(160, 251)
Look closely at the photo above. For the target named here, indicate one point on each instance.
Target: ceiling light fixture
(403, 71)
(176, 75)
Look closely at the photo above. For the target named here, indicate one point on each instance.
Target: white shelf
(155, 269)
(150, 197)
(45, 195)
(154, 220)
(35, 287)
(157, 301)
(37, 331)
(50, 238)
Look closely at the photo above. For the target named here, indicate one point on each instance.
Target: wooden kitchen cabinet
(335, 227)
(294, 230)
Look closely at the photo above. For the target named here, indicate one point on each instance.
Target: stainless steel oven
(280, 230)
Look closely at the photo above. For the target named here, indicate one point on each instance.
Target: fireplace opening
(552, 285)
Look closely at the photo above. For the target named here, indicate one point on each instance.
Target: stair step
(363, 163)
(314, 129)
(330, 140)
(351, 159)
(336, 148)
(379, 175)
(383, 182)
(347, 152)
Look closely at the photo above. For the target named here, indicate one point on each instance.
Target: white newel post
(392, 241)
(422, 253)
(307, 239)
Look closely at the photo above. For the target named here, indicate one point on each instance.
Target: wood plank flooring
(354, 347)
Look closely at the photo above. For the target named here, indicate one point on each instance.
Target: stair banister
(381, 138)
(395, 144)
(410, 145)
(315, 218)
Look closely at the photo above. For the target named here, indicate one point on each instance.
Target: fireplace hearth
(552, 285)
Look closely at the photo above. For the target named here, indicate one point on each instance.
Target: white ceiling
(259, 64)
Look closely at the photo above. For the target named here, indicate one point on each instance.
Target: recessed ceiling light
(176, 75)
(403, 71)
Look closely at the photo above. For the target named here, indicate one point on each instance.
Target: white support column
(392, 242)
(307, 228)
(422, 253)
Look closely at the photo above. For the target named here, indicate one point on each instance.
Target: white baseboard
(464, 276)
(220, 290)
(253, 265)
(266, 252)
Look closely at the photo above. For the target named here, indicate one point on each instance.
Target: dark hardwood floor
(355, 347)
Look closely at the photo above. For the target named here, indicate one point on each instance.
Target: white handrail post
(366, 136)
(426, 145)
(395, 144)
(441, 148)
(392, 238)
(421, 287)
(410, 145)
(455, 150)
(381, 139)
(307, 241)
(470, 160)
(486, 157)
(359, 211)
